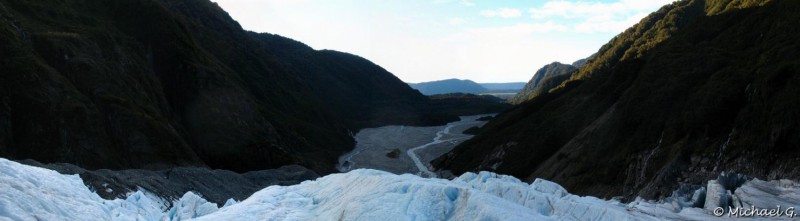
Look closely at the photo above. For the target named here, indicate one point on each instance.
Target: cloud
(591, 17)
(527, 28)
(503, 13)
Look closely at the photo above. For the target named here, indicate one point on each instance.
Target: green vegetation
(696, 88)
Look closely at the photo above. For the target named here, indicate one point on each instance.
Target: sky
(426, 40)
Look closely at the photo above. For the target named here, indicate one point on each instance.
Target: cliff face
(695, 89)
(155, 84)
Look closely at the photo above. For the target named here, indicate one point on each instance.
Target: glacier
(31, 193)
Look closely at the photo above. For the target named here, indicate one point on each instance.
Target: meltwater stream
(380, 148)
(424, 170)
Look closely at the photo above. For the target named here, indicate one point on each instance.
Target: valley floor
(414, 147)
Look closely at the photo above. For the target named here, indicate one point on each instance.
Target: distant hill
(511, 87)
(465, 86)
(449, 86)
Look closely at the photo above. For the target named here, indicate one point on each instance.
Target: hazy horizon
(430, 40)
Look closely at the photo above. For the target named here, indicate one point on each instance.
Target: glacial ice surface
(30, 193)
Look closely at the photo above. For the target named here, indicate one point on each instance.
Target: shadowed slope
(156, 84)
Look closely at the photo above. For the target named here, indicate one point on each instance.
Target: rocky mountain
(156, 84)
(697, 88)
(546, 78)
(449, 86)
